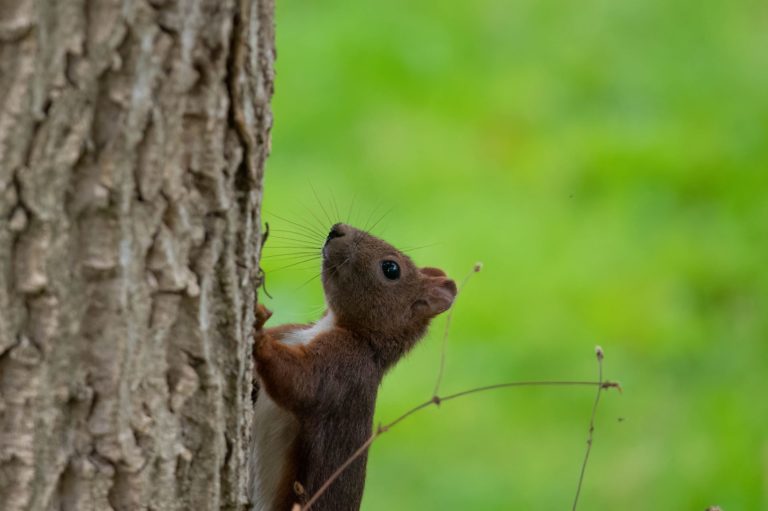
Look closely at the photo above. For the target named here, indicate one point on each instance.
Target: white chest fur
(274, 430)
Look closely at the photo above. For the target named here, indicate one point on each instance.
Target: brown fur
(330, 384)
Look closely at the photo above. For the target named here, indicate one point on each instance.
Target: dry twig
(600, 356)
(478, 266)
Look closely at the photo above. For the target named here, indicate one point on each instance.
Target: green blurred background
(608, 163)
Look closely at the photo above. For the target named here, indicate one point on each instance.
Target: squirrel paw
(262, 315)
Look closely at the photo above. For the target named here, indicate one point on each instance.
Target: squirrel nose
(336, 232)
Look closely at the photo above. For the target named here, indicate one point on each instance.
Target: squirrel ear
(432, 272)
(439, 292)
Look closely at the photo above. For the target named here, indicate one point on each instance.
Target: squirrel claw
(262, 315)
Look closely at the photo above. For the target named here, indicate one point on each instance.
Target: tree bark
(133, 136)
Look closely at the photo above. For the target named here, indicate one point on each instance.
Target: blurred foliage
(608, 163)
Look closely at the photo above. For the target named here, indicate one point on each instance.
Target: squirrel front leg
(287, 373)
(261, 315)
(262, 336)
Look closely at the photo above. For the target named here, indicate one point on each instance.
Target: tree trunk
(133, 136)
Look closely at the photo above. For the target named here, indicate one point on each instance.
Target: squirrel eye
(391, 269)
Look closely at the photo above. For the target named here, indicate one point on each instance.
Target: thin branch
(600, 355)
(602, 384)
(436, 400)
(475, 269)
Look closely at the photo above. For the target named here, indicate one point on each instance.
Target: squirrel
(318, 382)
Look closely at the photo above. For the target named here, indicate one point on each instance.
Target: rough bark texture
(133, 136)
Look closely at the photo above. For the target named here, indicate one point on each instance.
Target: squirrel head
(374, 289)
